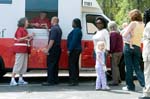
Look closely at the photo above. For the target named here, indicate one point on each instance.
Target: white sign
(87, 4)
(90, 3)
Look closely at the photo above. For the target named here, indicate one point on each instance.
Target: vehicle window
(90, 23)
(5, 1)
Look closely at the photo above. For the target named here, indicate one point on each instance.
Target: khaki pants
(115, 67)
(20, 66)
(146, 90)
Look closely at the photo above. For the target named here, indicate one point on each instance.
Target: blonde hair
(99, 43)
(112, 26)
(124, 25)
(55, 20)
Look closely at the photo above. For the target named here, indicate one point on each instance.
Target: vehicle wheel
(2, 67)
(122, 68)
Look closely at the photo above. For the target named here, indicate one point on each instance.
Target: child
(101, 82)
(127, 38)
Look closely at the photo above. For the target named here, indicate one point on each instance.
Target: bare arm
(50, 44)
(129, 29)
(25, 38)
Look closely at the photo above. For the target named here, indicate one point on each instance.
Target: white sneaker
(125, 88)
(22, 82)
(13, 83)
(106, 88)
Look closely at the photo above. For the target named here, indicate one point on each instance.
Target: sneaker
(106, 88)
(13, 83)
(98, 89)
(22, 82)
(144, 97)
(126, 89)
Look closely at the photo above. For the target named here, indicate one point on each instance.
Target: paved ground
(85, 90)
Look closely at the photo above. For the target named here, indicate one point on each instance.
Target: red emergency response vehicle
(66, 10)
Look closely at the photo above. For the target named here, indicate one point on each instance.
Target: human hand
(44, 26)
(110, 55)
(45, 50)
(36, 24)
(107, 52)
(68, 52)
(104, 68)
(31, 35)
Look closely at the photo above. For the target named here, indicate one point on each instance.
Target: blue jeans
(132, 59)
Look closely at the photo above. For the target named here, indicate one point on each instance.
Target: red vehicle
(66, 10)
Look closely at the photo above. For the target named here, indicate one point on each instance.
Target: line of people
(131, 38)
(104, 43)
(53, 51)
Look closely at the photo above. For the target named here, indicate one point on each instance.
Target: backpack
(146, 17)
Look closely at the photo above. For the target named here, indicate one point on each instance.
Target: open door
(87, 58)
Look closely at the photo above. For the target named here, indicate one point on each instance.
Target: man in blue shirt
(53, 52)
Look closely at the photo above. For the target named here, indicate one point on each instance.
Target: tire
(2, 67)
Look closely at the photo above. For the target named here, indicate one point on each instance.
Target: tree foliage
(118, 9)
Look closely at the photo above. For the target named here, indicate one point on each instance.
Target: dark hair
(104, 21)
(22, 21)
(146, 17)
(77, 23)
(135, 15)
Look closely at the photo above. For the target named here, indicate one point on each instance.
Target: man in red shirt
(41, 21)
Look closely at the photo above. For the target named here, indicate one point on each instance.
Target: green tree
(118, 9)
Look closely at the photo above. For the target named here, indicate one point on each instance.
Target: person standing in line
(132, 57)
(129, 37)
(53, 52)
(116, 49)
(102, 34)
(146, 59)
(74, 51)
(100, 66)
(21, 50)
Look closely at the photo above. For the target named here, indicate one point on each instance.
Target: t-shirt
(55, 34)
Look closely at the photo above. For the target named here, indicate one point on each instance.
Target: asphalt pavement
(85, 90)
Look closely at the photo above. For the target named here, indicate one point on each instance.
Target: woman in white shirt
(102, 34)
